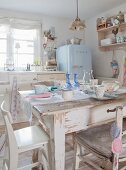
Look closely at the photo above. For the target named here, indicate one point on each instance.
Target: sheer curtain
(18, 50)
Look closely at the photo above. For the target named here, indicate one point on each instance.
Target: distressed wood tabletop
(51, 108)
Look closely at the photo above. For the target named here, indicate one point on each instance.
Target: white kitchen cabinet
(23, 77)
(4, 76)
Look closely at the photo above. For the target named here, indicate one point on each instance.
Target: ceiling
(61, 8)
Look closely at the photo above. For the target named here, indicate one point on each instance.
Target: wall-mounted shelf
(115, 45)
(107, 32)
(112, 27)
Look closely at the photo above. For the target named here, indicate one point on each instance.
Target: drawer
(24, 78)
(27, 78)
(48, 77)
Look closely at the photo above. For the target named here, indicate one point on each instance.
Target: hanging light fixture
(77, 24)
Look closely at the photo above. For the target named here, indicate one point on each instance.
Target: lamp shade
(77, 24)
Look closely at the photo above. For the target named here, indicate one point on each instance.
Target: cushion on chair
(99, 140)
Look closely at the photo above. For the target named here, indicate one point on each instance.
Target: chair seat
(30, 137)
(99, 140)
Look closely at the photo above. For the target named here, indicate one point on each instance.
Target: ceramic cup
(99, 91)
(40, 89)
(67, 94)
(111, 86)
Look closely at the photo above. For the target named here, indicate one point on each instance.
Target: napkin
(52, 88)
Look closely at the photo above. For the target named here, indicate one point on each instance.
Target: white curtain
(23, 24)
(20, 23)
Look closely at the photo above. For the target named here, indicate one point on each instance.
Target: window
(3, 45)
(19, 44)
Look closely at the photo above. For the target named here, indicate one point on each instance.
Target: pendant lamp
(77, 24)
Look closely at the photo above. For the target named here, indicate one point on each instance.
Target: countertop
(29, 72)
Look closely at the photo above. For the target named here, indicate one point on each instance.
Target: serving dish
(105, 97)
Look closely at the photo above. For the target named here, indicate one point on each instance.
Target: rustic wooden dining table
(64, 117)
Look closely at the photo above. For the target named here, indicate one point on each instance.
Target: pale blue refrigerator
(74, 59)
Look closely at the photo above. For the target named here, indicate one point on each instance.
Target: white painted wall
(61, 24)
(101, 60)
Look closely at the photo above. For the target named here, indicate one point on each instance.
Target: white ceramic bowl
(111, 86)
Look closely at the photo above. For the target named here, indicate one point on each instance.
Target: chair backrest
(117, 134)
(119, 121)
(5, 112)
(12, 152)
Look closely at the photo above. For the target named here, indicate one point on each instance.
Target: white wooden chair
(23, 140)
(99, 141)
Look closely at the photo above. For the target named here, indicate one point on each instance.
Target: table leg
(59, 140)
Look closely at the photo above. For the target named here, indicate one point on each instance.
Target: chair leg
(77, 149)
(49, 156)
(35, 157)
(40, 167)
(4, 165)
(123, 168)
(103, 163)
(44, 157)
(115, 161)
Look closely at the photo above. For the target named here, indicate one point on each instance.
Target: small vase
(76, 83)
(68, 84)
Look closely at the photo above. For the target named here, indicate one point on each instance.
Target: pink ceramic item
(117, 145)
(44, 95)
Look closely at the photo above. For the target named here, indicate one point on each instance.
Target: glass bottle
(76, 83)
(91, 74)
(68, 84)
(86, 80)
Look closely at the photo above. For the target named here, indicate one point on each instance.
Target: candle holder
(68, 84)
(76, 83)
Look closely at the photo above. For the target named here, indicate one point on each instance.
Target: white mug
(99, 90)
(67, 94)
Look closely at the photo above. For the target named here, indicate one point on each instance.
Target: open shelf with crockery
(108, 37)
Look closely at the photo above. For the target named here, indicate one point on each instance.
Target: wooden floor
(69, 159)
(69, 162)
